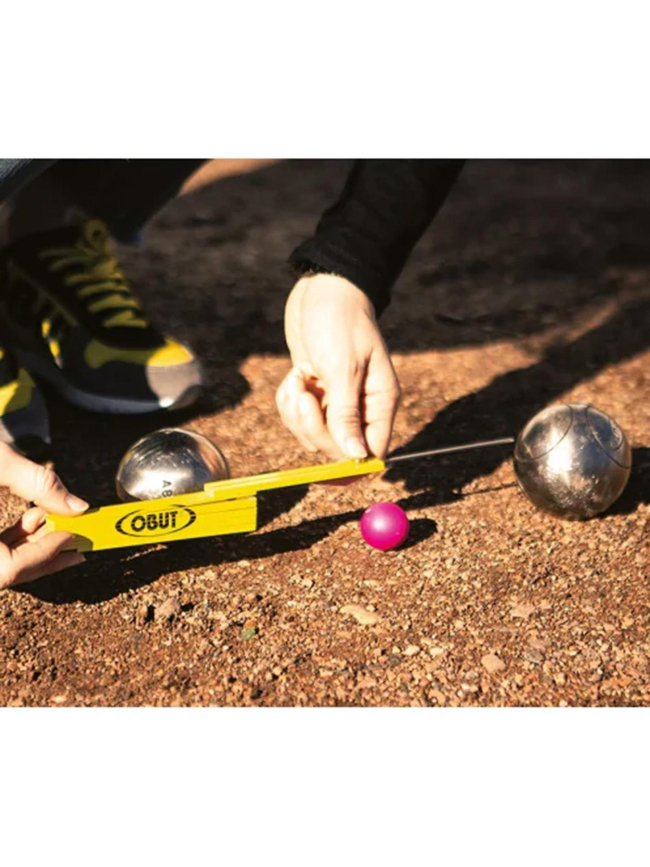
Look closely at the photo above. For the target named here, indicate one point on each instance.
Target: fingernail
(75, 503)
(355, 448)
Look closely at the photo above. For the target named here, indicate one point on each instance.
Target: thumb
(37, 484)
(344, 415)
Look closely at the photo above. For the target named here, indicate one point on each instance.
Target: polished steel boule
(572, 460)
(168, 462)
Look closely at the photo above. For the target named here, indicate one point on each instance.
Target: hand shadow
(504, 406)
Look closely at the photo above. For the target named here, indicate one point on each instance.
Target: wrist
(322, 288)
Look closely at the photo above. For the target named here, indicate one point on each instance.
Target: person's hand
(27, 552)
(341, 394)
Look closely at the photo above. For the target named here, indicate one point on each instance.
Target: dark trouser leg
(124, 193)
(15, 174)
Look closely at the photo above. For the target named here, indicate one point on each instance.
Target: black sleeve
(367, 235)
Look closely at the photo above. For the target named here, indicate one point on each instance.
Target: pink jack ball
(384, 526)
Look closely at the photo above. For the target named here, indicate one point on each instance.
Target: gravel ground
(532, 287)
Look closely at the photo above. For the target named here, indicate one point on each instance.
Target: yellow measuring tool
(228, 506)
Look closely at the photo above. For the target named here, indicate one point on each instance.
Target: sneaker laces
(97, 273)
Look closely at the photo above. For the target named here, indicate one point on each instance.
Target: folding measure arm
(224, 507)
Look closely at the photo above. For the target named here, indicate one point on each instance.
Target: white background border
(336, 79)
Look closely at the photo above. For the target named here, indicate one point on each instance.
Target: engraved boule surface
(573, 472)
(168, 462)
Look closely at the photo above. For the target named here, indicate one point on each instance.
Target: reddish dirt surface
(532, 287)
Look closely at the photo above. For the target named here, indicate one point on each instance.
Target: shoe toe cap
(177, 386)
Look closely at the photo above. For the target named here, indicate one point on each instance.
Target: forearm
(368, 234)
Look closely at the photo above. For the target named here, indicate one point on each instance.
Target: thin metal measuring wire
(479, 444)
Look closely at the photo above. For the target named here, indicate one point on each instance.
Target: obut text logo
(160, 522)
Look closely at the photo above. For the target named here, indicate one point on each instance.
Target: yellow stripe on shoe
(16, 394)
(171, 354)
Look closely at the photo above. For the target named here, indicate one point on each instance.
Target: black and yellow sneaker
(24, 421)
(73, 319)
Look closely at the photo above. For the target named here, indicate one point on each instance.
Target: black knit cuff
(315, 258)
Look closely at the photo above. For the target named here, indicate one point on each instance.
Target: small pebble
(521, 610)
(492, 664)
(361, 614)
(169, 610)
(143, 614)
